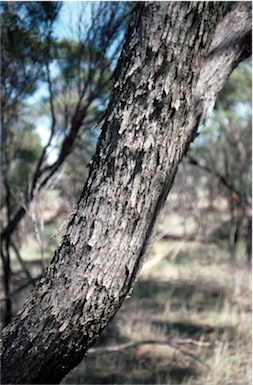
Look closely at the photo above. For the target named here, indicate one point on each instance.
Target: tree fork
(143, 139)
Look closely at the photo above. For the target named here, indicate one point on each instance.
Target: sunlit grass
(187, 291)
(196, 297)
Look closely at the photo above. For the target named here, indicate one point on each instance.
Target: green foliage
(25, 40)
(81, 82)
(233, 94)
(75, 76)
(25, 148)
(79, 64)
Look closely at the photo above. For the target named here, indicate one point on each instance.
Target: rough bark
(144, 137)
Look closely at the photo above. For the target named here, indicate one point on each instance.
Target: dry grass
(196, 296)
(186, 291)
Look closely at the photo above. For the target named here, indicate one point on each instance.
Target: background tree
(76, 76)
(25, 39)
(217, 171)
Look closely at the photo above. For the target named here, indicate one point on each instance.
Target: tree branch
(38, 171)
(230, 46)
(223, 179)
(21, 262)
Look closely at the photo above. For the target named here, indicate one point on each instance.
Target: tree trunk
(143, 139)
(249, 240)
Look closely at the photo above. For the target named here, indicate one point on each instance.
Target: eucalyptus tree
(26, 37)
(225, 154)
(164, 83)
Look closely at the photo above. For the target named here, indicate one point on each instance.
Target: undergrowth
(200, 305)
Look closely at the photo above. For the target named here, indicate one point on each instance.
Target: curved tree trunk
(143, 139)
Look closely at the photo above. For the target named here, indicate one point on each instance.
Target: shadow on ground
(127, 368)
(153, 365)
(198, 294)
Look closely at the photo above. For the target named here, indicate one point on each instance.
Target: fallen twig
(172, 343)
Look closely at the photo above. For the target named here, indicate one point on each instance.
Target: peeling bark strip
(143, 140)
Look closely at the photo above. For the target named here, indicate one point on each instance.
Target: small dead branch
(172, 254)
(21, 262)
(29, 282)
(175, 343)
